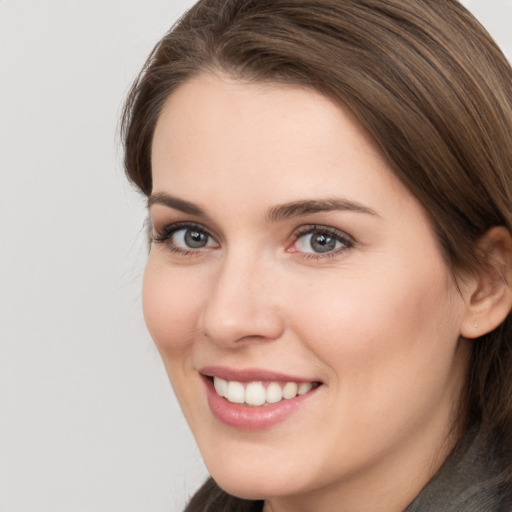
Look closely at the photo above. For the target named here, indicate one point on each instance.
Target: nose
(242, 305)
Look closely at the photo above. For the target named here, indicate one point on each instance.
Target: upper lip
(250, 374)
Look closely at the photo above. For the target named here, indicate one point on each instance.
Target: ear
(488, 294)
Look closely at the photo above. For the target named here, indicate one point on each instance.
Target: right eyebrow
(177, 204)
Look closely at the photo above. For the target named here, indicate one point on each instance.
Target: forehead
(226, 137)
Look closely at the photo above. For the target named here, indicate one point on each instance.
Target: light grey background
(88, 421)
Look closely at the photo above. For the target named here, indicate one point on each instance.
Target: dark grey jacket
(471, 480)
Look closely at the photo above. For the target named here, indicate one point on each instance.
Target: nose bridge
(242, 304)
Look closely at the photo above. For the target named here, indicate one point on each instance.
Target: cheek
(171, 305)
(389, 341)
(377, 324)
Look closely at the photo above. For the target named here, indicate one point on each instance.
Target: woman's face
(289, 260)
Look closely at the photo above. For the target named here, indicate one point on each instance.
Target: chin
(249, 486)
(261, 475)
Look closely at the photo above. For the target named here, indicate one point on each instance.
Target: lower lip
(246, 417)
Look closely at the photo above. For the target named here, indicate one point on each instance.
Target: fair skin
(351, 295)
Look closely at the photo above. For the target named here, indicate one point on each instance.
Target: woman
(328, 185)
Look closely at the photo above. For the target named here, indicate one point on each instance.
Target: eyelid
(167, 229)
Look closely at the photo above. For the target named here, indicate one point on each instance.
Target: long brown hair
(422, 77)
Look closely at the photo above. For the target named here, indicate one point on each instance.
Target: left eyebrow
(298, 208)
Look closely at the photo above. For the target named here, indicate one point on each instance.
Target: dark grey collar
(471, 480)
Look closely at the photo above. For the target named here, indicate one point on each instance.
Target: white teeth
(304, 387)
(221, 386)
(290, 390)
(274, 393)
(235, 392)
(254, 393)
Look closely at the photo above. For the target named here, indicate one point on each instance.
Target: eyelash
(164, 236)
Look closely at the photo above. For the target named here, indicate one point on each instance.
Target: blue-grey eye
(191, 238)
(319, 242)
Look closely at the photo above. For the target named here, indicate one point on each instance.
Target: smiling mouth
(259, 393)
(254, 399)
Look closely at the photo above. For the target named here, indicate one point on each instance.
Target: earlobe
(489, 297)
